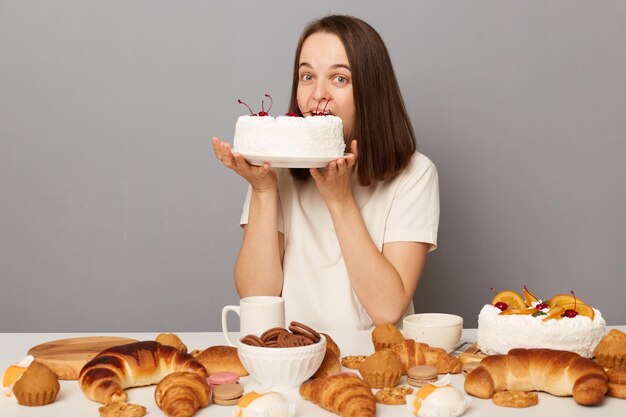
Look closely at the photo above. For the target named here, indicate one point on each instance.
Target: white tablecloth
(72, 402)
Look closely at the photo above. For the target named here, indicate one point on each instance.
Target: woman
(344, 252)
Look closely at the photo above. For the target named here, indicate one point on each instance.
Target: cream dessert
(319, 135)
(563, 323)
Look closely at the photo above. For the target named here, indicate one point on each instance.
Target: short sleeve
(414, 212)
(246, 208)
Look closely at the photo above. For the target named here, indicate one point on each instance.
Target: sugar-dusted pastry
(269, 404)
(611, 350)
(170, 339)
(221, 359)
(382, 369)
(617, 382)
(385, 336)
(330, 364)
(122, 409)
(412, 353)
(181, 394)
(37, 386)
(344, 394)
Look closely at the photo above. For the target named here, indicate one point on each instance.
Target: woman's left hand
(335, 181)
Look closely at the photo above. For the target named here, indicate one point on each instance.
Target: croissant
(181, 394)
(104, 378)
(344, 394)
(557, 372)
(412, 353)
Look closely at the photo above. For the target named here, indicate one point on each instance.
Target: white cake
(497, 334)
(313, 136)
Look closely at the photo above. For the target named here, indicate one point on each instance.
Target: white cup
(256, 315)
(436, 329)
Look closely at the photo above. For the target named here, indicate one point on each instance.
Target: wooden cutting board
(66, 357)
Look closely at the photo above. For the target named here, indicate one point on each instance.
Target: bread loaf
(107, 375)
(221, 359)
(557, 372)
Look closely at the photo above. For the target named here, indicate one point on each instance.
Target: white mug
(256, 315)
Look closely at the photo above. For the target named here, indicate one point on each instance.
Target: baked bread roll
(108, 374)
(221, 359)
(181, 394)
(330, 365)
(412, 353)
(344, 394)
(556, 372)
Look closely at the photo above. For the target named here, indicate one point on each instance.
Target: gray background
(116, 217)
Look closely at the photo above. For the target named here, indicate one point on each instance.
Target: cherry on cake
(319, 135)
(564, 322)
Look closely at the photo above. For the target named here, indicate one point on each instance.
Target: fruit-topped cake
(320, 134)
(563, 322)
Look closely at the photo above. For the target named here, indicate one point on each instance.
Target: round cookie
(420, 375)
(353, 361)
(304, 330)
(393, 395)
(227, 394)
(253, 340)
(515, 399)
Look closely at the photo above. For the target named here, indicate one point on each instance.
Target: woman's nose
(321, 92)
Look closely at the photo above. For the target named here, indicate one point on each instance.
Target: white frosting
(497, 334)
(313, 136)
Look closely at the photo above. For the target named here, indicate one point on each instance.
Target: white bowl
(436, 329)
(282, 368)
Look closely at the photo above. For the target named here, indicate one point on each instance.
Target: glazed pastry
(108, 374)
(385, 336)
(617, 382)
(330, 344)
(170, 339)
(181, 394)
(611, 350)
(221, 359)
(383, 369)
(329, 366)
(557, 372)
(412, 353)
(37, 386)
(344, 394)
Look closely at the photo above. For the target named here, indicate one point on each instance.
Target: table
(72, 402)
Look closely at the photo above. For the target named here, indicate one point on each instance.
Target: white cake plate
(290, 161)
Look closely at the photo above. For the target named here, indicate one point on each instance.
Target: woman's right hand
(261, 178)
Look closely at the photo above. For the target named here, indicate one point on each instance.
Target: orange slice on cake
(519, 312)
(513, 300)
(582, 309)
(562, 299)
(554, 313)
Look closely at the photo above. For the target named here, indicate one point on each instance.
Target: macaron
(418, 376)
(221, 378)
(227, 394)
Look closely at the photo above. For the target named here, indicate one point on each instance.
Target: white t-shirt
(316, 287)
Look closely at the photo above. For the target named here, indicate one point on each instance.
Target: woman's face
(325, 79)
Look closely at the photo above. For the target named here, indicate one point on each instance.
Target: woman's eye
(341, 79)
(307, 77)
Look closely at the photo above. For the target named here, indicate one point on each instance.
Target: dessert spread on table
(188, 382)
(319, 134)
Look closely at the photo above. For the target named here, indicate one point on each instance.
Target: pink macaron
(221, 378)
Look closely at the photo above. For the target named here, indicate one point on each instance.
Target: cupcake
(611, 350)
(382, 369)
(385, 336)
(37, 386)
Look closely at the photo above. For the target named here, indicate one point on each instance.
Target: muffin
(382, 369)
(385, 336)
(611, 351)
(37, 386)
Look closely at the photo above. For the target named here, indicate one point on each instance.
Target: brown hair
(381, 124)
